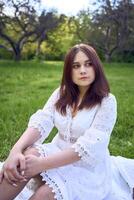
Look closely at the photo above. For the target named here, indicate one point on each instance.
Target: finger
(13, 173)
(10, 181)
(1, 175)
(27, 176)
(16, 174)
(22, 165)
(26, 173)
(7, 178)
(10, 176)
(14, 184)
(28, 157)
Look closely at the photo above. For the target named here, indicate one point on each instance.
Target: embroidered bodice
(90, 128)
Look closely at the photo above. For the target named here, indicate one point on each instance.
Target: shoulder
(56, 92)
(110, 99)
(55, 95)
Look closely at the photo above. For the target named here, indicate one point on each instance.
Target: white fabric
(97, 175)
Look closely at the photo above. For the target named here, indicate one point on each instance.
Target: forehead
(80, 56)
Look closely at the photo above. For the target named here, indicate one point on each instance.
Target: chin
(84, 85)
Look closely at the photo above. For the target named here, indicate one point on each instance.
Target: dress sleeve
(92, 146)
(43, 119)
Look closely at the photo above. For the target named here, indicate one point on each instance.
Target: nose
(82, 69)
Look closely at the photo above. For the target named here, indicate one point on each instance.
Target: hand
(34, 166)
(13, 167)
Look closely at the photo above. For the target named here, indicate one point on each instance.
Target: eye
(89, 64)
(76, 66)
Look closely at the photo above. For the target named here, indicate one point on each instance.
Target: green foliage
(47, 35)
(29, 51)
(80, 26)
(58, 42)
(4, 54)
(25, 25)
(25, 87)
(125, 56)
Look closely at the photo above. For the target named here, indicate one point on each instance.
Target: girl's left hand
(34, 166)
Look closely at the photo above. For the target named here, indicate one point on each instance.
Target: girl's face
(82, 71)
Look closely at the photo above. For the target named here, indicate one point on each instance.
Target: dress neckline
(72, 113)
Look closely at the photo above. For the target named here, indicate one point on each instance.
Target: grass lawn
(25, 87)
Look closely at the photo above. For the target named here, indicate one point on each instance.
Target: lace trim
(102, 127)
(40, 129)
(88, 159)
(55, 188)
(40, 149)
(45, 177)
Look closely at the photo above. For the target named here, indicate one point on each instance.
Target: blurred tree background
(28, 31)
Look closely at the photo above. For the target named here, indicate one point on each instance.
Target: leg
(9, 192)
(43, 193)
(37, 178)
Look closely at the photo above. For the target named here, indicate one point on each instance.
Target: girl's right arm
(29, 137)
(16, 159)
(39, 127)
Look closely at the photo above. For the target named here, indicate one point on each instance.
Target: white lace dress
(97, 176)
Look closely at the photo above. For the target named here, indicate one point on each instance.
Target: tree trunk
(38, 49)
(15, 47)
(17, 56)
(17, 53)
(107, 57)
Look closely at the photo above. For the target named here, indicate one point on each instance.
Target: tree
(59, 41)
(80, 26)
(16, 29)
(24, 25)
(47, 23)
(110, 28)
(126, 31)
(112, 20)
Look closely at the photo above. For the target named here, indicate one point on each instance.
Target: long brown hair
(69, 91)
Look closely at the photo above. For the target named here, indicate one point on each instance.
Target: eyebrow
(78, 62)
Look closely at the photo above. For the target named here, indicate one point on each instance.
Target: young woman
(76, 165)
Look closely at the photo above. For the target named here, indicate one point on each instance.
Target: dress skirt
(76, 182)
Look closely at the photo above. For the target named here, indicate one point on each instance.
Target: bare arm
(40, 125)
(59, 159)
(30, 136)
(35, 165)
(16, 158)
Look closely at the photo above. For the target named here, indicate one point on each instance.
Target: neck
(82, 91)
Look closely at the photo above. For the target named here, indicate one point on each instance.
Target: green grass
(25, 87)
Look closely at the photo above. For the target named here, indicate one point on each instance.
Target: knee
(31, 151)
(44, 192)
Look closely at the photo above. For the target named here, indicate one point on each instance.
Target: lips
(83, 78)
